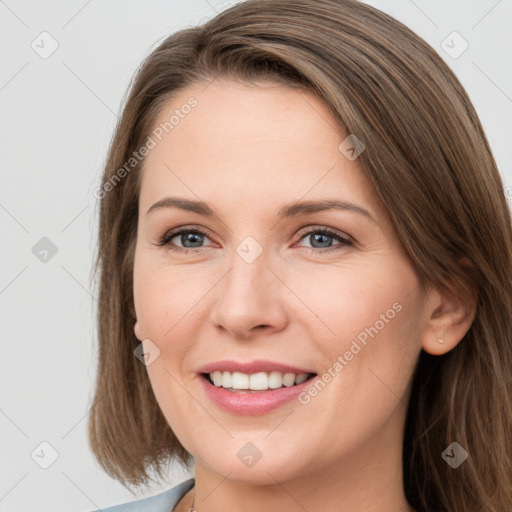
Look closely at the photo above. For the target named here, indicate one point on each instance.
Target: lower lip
(252, 404)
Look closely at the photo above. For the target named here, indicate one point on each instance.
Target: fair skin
(246, 151)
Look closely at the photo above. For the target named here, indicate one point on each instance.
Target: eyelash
(167, 237)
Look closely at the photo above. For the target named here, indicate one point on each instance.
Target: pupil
(189, 237)
(322, 236)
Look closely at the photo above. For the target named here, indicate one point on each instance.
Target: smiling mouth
(237, 382)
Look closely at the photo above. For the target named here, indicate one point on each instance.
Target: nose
(249, 300)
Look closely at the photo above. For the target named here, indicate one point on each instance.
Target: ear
(136, 330)
(449, 317)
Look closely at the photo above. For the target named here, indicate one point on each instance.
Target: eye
(321, 239)
(191, 238)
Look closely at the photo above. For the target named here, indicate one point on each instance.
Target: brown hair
(430, 163)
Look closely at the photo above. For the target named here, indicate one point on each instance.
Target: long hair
(430, 163)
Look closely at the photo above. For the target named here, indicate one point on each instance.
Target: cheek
(373, 335)
(351, 303)
(167, 305)
(164, 297)
(367, 303)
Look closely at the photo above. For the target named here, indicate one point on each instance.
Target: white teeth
(289, 379)
(239, 380)
(256, 381)
(226, 380)
(216, 378)
(275, 380)
(301, 378)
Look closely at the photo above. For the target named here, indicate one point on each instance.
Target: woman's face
(264, 286)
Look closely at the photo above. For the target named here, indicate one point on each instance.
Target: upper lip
(251, 367)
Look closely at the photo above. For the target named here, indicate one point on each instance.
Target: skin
(246, 150)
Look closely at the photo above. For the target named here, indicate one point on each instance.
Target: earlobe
(449, 319)
(136, 330)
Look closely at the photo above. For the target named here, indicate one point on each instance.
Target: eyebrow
(288, 210)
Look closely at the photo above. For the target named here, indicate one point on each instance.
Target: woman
(305, 273)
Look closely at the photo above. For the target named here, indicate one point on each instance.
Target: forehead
(247, 141)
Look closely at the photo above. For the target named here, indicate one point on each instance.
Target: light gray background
(58, 115)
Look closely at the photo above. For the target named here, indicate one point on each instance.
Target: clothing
(163, 502)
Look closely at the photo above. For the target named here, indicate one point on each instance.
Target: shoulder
(162, 502)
